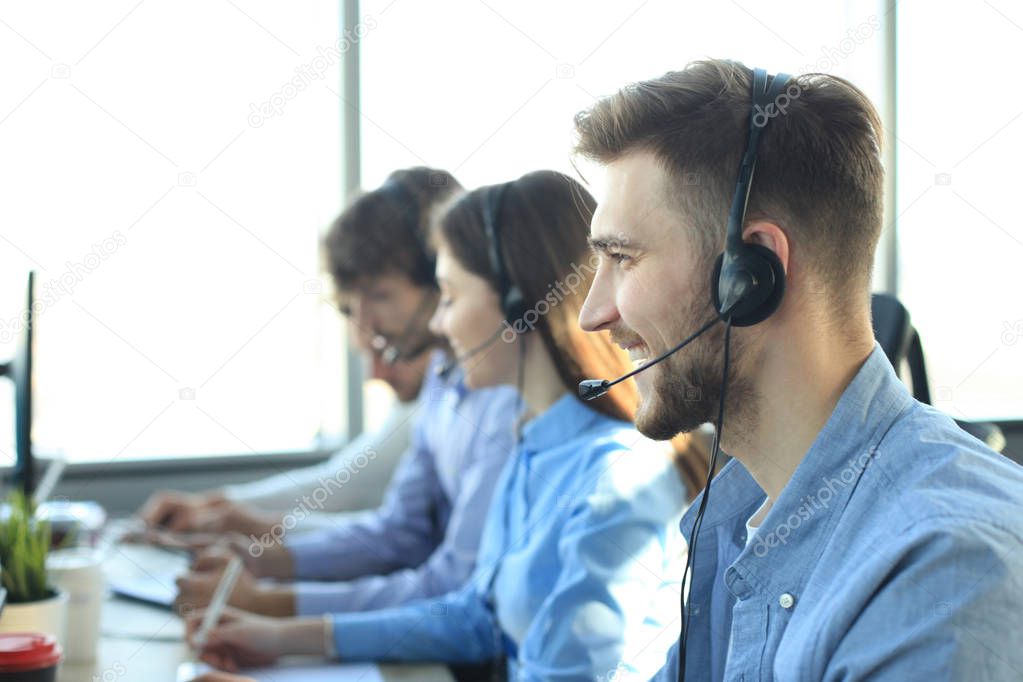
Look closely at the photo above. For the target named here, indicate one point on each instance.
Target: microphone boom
(591, 389)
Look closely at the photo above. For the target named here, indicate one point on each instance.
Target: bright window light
(168, 168)
(960, 241)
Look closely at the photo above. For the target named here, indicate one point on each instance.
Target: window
(960, 243)
(168, 168)
(488, 90)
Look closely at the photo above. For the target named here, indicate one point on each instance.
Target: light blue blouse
(577, 573)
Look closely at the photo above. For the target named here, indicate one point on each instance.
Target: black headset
(411, 220)
(396, 349)
(748, 285)
(749, 281)
(513, 303)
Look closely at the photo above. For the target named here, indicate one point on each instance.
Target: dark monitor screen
(19, 370)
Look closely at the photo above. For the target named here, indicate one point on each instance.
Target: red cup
(27, 657)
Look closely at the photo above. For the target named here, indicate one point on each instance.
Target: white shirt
(751, 525)
(281, 492)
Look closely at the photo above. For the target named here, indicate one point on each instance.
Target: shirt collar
(453, 380)
(566, 418)
(834, 463)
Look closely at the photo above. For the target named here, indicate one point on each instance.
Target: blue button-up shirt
(423, 540)
(894, 553)
(578, 568)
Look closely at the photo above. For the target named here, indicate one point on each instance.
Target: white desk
(141, 643)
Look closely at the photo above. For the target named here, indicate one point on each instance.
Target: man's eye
(378, 294)
(618, 257)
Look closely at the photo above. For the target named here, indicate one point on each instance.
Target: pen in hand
(219, 601)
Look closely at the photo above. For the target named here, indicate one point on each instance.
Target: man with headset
(857, 534)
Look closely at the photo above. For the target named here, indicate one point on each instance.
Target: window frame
(199, 468)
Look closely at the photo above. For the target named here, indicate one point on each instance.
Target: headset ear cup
(767, 270)
(715, 278)
(773, 299)
(514, 305)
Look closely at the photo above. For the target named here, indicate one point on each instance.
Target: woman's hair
(543, 221)
(542, 224)
(386, 231)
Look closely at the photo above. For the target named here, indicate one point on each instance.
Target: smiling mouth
(639, 354)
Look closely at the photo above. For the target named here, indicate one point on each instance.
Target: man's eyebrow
(606, 244)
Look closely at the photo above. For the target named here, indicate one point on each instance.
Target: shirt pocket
(774, 667)
(749, 634)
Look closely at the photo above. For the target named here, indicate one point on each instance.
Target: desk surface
(141, 643)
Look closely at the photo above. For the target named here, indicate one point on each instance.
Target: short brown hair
(818, 175)
(386, 230)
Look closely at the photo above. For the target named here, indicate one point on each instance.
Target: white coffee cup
(79, 572)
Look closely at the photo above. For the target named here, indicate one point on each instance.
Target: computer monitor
(19, 370)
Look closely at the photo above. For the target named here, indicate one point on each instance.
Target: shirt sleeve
(458, 627)
(399, 534)
(945, 607)
(613, 550)
(373, 456)
(452, 562)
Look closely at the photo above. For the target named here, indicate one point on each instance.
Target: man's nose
(599, 311)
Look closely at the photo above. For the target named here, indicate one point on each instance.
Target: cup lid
(28, 651)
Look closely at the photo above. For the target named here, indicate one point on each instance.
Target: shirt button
(786, 601)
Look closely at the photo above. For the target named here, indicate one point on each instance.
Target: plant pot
(46, 617)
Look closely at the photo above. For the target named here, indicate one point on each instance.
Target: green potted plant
(33, 604)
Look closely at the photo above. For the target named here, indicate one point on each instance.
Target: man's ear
(770, 235)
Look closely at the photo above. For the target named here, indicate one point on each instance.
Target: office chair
(901, 343)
